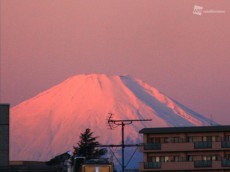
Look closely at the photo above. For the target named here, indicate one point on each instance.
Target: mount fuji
(51, 122)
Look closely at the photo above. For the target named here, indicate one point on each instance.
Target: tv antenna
(114, 124)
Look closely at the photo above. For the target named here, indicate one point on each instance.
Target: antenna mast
(115, 123)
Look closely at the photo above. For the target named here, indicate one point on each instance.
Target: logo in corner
(197, 10)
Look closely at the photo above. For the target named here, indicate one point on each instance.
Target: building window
(209, 158)
(155, 159)
(205, 158)
(194, 139)
(190, 139)
(166, 159)
(215, 138)
(160, 159)
(190, 157)
(171, 139)
(214, 157)
(197, 139)
(166, 140)
(176, 158)
(227, 138)
(176, 139)
(227, 156)
(226, 142)
(207, 138)
(155, 140)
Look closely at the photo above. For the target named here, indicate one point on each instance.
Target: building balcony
(152, 165)
(202, 163)
(184, 146)
(225, 144)
(225, 163)
(152, 146)
(202, 145)
(166, 166)
(157, 147)
(185, 165)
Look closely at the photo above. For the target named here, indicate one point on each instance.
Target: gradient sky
(161, 42)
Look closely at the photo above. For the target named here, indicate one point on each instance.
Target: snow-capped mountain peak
(51, 122)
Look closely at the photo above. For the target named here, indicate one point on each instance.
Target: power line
(115, 123)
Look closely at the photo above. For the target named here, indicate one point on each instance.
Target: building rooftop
(190, 129)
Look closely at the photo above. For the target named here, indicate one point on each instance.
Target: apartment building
(4, 134)
(204, 148)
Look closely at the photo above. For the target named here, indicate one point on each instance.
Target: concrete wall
(4, 134)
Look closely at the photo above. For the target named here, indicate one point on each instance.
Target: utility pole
(123, 146)
(122, 123)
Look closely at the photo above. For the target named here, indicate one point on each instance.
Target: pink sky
(162, 42)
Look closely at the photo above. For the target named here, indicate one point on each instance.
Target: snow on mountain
(51, 122)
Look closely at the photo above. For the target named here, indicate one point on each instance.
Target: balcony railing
(202, 163)
(185, 165)
(152, 146)
(225, 144)
(225, 163)
(202, 145)
(152, 165)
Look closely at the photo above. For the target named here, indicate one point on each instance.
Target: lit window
(157, 159)
(166, 159)
(214, 157)
(209, 157)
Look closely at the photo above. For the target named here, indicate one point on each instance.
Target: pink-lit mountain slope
(51, 122)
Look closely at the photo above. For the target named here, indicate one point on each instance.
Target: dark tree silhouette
(87, 146)
(59, 159)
